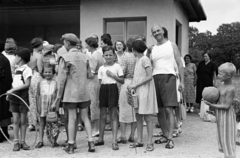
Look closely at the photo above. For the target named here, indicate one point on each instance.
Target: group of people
(100, 79)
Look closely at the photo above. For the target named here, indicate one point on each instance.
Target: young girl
(109, 74)
(46, 94)
(145, 89)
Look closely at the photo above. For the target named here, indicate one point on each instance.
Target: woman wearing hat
(36, 65)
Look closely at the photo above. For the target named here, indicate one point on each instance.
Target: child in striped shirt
(225, 114)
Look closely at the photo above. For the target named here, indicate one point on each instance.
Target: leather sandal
(161, 140)
(170, 144)
(39, 145)
(115, 146)
(150, 147)
(98, 143)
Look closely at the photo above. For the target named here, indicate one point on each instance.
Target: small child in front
(109, 74)
(225, 114)
(20, 85)
(46, 94)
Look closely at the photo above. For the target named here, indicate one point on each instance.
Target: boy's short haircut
(92, 42)
(229, 68)
(108, 48)
(107, 41)
(129, 44)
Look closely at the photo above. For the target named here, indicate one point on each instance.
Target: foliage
(223, 47)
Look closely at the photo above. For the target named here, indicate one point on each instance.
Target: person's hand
(9, 92)
(181, 87)
(110, 74)
(53, 106)
(207, 103)
(132, 86)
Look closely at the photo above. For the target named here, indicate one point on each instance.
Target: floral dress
(189, 91)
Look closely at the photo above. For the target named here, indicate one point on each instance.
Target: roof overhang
(193, 9)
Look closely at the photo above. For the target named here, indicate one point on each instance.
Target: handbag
(182, 109)
(52, 117)
(132, 98)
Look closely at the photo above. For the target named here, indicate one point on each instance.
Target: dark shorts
(80, 105)
(165, 85)
(108, 95)
(18, 108)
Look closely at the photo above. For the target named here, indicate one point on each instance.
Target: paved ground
(198, 140)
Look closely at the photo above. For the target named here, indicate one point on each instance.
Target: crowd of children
(107, 74)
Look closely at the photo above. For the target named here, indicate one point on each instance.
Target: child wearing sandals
(20, 86)
(46, 94)
(225, 113)
(145, 89)
(109, 74)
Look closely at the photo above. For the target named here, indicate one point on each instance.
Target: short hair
(108, 48)
(228, 68)
(124, 46)
(49, 67)
(107, 41)
(56, 47)
(207, 54)
(92, 42)
(141, 37)
(189, 56)
(129, 44)
(106, 35)
(139, 46)
(165, 32)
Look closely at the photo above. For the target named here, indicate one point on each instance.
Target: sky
(218, 12)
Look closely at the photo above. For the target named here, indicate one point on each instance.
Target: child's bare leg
(139, 128)
(41, 129)
(149, 121)
(71, 125)
(16, 123)
(123, 129)
(103, 116)
(66, 121)
(133, 129)
(23, 126)
(114, 121)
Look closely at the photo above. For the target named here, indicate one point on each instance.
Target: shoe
(16, 147)
(175, 133)
(161, 140)
(55, 145)
(192, 109)
(31, 128)
(187, 109)
(150, 147)
(39, 145)
(170, 144)
(74, 147)
(98, 143)
(122, 140)
(137, 144)
(115, 146)
(70, 148)
(179, 124)
(24, 146)
(131, 139)
(91, 146)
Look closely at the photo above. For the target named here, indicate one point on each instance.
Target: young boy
(20, 85)
(225, 114)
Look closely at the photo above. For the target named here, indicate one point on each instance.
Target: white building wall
(163, 12)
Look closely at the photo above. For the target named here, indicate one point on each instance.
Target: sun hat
(36, 42)
(24, 53)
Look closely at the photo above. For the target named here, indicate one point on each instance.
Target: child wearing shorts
(225, 114)
(20, 85)
(109, 74)
(145, 89)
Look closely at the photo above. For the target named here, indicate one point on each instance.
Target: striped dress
(226, 131)
(47, 95)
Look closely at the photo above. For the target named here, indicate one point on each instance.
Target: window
(125, 28)
(179, 35)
